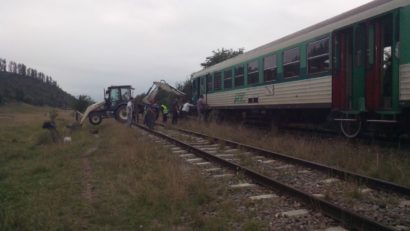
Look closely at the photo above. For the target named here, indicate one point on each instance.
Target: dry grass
(142, 183)
(155, 189)
(386, 163)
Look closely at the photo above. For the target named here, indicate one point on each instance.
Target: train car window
(228, 79)
(318, 56)
(195, 87)
(217, 81)
(253, 72)
(269, 68)
(209, 83)
(291, 63)
(202, 85)
(239, 78)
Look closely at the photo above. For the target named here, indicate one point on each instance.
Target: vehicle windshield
(114, 94)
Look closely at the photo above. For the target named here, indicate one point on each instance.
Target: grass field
(391, 164)
(109, 178)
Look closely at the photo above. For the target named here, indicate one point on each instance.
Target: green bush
(82, 103)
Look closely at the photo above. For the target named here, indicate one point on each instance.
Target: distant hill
(15, 87)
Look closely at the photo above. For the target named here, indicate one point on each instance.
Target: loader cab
(117, 95)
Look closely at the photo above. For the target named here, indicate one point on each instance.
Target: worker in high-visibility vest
(164, 110)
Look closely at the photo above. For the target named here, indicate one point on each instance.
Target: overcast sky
(87, 45)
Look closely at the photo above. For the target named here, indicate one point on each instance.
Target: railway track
(366, 137)
(357, 202)
(401, 142)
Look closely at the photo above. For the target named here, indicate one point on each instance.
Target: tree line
(23, 70)
(23, 84)
(221, 55)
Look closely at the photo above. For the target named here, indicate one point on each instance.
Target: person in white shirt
(129, 111)
(185, 109)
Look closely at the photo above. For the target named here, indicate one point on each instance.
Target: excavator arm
(161, 85)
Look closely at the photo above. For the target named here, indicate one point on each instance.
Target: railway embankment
(347, 199)
(390, 163)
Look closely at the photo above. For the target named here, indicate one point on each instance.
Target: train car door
(349, 69)
(342, 70)
(348, 83)
(359, 68)
(379, 78)
(373, 76)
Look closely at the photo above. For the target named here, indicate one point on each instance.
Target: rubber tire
(121, 114)
(94, 118)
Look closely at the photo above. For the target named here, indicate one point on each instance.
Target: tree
(138, 98)
(186, 87)
(3, 65)
(221, 55)
(21, 69)
(12, 67)
(82, 103)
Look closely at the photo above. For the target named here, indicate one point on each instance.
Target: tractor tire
(94, 118)
(121, 114)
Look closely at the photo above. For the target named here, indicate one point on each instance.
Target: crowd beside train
(178, 109)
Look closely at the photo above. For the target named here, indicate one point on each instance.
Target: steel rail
(348, 218)
(371, 182)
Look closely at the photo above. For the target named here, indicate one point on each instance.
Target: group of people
(176, 111)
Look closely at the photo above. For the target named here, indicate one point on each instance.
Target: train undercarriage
(349, 125)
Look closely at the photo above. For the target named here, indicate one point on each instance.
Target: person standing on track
(174, 110)
(164, 110)
(201, 107)
(129, 111)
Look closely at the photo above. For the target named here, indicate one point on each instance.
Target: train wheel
(351, 128)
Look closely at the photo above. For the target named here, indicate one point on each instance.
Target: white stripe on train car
(306, 91)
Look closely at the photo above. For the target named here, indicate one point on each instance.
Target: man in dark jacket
(174, 110)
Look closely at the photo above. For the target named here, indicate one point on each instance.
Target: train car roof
(358, 14)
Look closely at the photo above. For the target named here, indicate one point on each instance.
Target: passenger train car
(353, 69)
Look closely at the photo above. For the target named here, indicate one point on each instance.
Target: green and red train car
(353, 69)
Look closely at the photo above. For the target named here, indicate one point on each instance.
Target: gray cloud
(90, 44)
